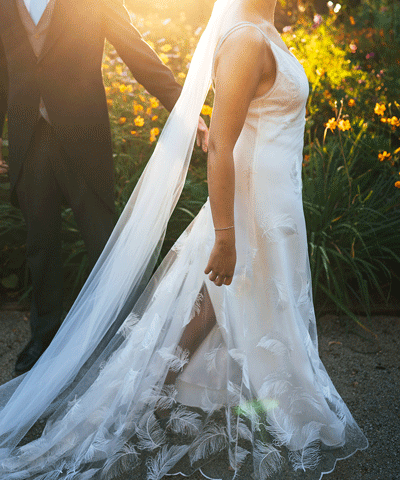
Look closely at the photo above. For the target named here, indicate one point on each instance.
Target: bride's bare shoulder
(244, 46)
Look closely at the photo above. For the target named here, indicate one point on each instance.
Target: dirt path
(365, 371)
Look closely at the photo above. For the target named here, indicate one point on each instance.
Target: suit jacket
(67, 75)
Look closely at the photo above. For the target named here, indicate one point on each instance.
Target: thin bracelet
(226, 228)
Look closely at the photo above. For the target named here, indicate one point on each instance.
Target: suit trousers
(45, 183)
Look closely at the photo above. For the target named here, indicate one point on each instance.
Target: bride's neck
(262, 8)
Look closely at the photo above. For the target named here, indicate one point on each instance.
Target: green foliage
(352, 216)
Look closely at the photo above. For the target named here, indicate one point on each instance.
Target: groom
(59, 133)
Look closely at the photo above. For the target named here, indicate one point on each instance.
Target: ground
(364, 369)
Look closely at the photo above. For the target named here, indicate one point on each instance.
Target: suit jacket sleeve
(3, 88)
(140, 58)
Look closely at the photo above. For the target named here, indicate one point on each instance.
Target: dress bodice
(284, 105)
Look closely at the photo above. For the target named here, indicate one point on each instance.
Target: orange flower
(206, 110)
(394, 121)
(154, 118)
(384, 156)
(166, 48)
(344, 125)
(380, 109)
(137, 108)
(331, 124)
(164, 58)
(154, 102)
(122, 120)
(109, 102)
(397, 184)
(351, 102)
(154, 131)
(139, 121)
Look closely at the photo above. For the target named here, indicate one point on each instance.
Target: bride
(215, 366)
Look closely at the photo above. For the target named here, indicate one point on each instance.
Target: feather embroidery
(175, 361)
(273, 346)
(306, 458)
(277, 227)
(268, 460)
(121, 462)
(149, 433)
(185, 422)
(159, 466)
(212, 440)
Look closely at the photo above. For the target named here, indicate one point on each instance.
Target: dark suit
(72, 157)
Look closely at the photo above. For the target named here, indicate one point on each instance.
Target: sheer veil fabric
(254, 395)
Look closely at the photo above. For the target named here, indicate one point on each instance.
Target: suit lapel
(56, 27)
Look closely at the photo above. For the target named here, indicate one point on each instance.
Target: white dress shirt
(28, 4)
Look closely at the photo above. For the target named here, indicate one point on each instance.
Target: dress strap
(231, 30)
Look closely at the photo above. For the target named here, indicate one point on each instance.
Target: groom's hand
(202, 135)
(3, 166)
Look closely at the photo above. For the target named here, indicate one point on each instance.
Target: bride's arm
(242, 61)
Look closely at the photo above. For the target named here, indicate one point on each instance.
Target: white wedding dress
(254, 401)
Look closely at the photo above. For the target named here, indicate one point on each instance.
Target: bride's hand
(202, 135)
(221, 264)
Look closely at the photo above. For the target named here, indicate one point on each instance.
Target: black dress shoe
(29, 356)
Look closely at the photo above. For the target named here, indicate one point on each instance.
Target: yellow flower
(384, 156)
(139, 121)
(115, 84)
(206, 110)
(118, 70)
(129, 88)
(164, 58)
(137, 108)
(122, 88)
(320, 72)
(188, 57)
(133, 132)
(108, 90)
(384, 120)
(109, 102)
(397, 184)
(380, 109)
(344, 125)
(122, 120)
(105, 66)
(166, 48)
(351, 102)
(154, 102)
(331, 124)
(181, 75)
(154, 131)
(154, 118)
(152, 139)
(394, 121)
(150, 43)
(142, 98)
